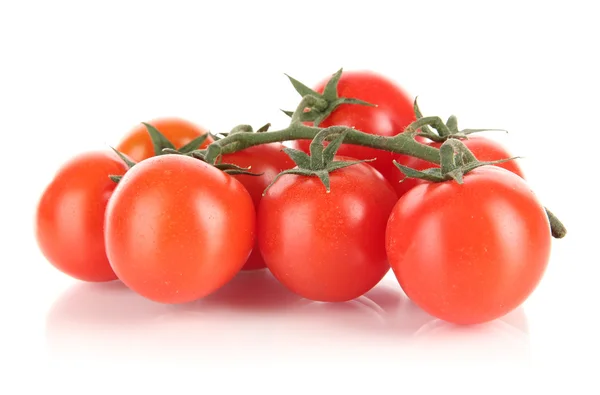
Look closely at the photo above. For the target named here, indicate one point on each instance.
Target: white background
(76, 76)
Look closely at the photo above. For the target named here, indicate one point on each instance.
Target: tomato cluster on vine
(363, 186)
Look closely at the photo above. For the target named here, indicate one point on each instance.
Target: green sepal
(433, 174)
(320, 163)
(193, 145)
(330, 91)
(443, 131)
(233, 172)
(171, 151)
(299, 157)
(159, 141)
(324, 177)
(333, 146)
(128, 162)
(322, 105)
(418, 114)
(125, 159)
(302, 89)
(452, 124)
(216, 137)
(198, 154)
(288, 113)
(213, 151)
(456, 160)
(340, 164)
(264, 128)
(232, 169)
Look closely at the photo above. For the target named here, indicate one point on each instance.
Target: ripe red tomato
(327, 246)
(484, 149)
(137, 144)
(394, 112)
(178, 229)
(70, 216)
(268, 159)
(469, 253)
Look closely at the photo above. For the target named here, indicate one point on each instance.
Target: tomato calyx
(128, 162)
(321, 161)
(443, 130)
(319, 106)
(162, 146)
(456, 160)
(160, 143)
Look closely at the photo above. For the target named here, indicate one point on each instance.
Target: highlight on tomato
(470, 246)
(321, 225)
(177, 132)
(178, 229)
(70, 216)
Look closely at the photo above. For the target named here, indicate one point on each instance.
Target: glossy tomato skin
(70, 216)
(177, 229)
(137, 144)
(394, 112)
(469, 253)
(327, 246)
(484, 149)
(268, 159)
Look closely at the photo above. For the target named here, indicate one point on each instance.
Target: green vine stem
(401, 143)
(319, 106)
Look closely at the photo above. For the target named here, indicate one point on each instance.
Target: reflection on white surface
(255, 317)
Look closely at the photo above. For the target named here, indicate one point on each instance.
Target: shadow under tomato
(506, 338)
(249, 292)
(255, 312)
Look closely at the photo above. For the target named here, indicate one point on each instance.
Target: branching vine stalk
(315, 107)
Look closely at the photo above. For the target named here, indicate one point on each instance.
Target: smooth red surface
(484, 149)
(268, 159)
(394, 112)
(70, 216)
(469, 253)
(137, 144)
(327, 246)
(177, 229)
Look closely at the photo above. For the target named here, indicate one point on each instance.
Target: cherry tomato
(483, 148)
(327, 246)
(268, 159)
(394, 112)
(469, 253)
(70, 216)
(137, 144)
(177, 229)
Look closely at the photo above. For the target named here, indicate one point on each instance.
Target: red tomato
(327, 246)
(70, 216)
(178, 229)
(484, 149)
(268, 159)
(469, 253)
(394, 112)
(137, 144)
